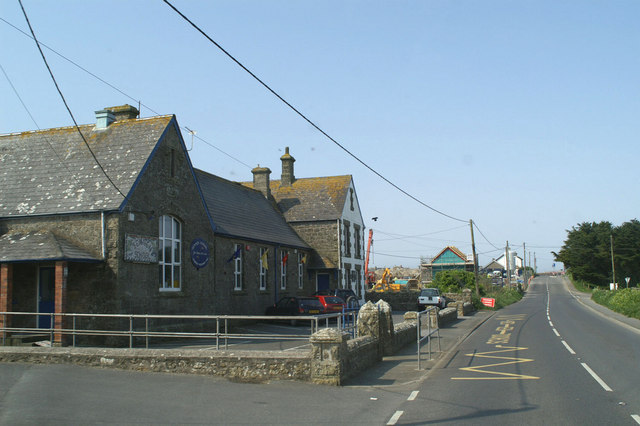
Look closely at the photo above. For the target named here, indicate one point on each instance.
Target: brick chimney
(287, 178)
(124, 112)
(261, 180)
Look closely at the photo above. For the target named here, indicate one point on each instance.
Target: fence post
(130, 331)
(74, 332)
(146, 332)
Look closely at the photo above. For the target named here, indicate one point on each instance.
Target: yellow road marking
(493, 374)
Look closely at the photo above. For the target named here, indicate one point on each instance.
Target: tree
(453, 281)
(586, 252)
(626, 249)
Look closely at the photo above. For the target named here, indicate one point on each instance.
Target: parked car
(430, 297)
(331, 304)
(345, 294)
(294, 306)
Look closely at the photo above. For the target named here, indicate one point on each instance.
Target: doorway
(322, 282)
(46, 295)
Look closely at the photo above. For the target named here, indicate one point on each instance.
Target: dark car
(345, 294)
(331, 304)
(294, 306)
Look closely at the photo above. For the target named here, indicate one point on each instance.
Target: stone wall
(406, 300)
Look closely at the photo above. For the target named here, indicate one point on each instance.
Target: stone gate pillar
(328, 352)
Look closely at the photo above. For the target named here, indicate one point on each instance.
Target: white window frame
(173, 241)
(263, 270)
(283, 270)
(300, 271)
(237, 267)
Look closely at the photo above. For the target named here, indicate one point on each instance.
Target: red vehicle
(332, 304)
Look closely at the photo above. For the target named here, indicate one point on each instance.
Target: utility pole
(535, 263)
(613, 266)
(475, 259)
(524, 264)
(508, 266)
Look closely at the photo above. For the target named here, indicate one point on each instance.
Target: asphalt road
(524, 365)
(546, 360)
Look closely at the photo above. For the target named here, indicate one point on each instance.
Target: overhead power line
(65, 101)
(304, 117)
(122, 92)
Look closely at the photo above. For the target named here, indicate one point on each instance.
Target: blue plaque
(199, 253)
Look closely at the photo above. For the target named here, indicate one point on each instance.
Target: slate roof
(41, 246)
(52, 171)
(312, 199)
(238, 211)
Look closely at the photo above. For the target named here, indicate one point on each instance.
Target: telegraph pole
(475, 260)
(508, 267)
(524, 264)
(613, 266)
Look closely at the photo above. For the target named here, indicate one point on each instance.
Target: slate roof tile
(52, 171)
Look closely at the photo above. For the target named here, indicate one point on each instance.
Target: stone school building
(136, 229)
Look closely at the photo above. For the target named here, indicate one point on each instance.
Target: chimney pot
(287, 177)
(261, 180)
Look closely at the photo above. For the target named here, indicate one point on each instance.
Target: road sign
(627, 279)
(488, 301)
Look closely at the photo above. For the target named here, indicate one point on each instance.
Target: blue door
(46, 295)
(322, 282)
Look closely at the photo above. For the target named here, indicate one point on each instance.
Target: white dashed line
(394, 419)
(556, 331)
(571, 351)
(636, 418)
(597, 378)
(413, 395)
(550, 323)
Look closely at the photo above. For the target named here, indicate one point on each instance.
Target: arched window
(169, 253)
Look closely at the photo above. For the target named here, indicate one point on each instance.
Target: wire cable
(483, 236)
(65, 102)
(60, 160)
(304, 117)
(119, 90)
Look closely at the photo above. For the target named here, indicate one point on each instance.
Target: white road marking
(413, 395)
(597, 378)
(556, 331)
(550, 323)
(571, 351)
(636, 418)
(394, 419)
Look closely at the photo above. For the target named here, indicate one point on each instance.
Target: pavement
(585, 299)
(401, 369)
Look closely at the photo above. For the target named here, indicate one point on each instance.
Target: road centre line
(413, 395)
(394, 419)
(571, 351)
(556, 331)
(550, 323)
(597, 378)
(636, 418)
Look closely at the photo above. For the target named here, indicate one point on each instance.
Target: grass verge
(625, 301)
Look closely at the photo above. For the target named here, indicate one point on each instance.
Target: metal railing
(430, 331)
(139, 326)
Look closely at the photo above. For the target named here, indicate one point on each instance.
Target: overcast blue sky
(523, 116)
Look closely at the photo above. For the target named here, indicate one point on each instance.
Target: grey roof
(238, 211)
(52, 171)
(41, 246)
(311, 199)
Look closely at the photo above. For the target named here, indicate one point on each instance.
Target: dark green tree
(586, 252)
(453, 281)
(626, 249)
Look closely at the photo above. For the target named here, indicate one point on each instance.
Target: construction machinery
(369, 276)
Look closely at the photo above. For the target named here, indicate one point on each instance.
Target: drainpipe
(339, 254)
(275, 277)
(103, 232)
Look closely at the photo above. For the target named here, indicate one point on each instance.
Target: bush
(625, 301)
(454, 281)
(503, 296)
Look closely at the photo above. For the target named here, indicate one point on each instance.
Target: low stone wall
(447, 316)
(247, 366)
(334, 356)
(463, 308)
